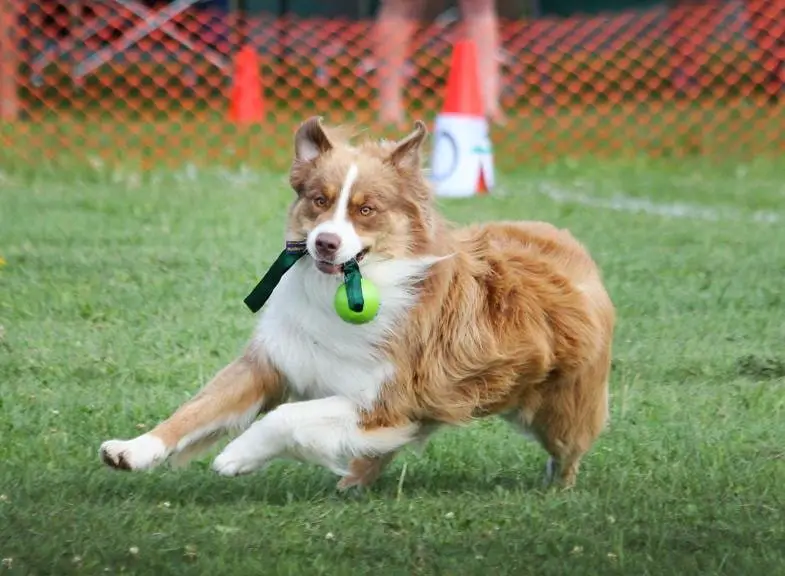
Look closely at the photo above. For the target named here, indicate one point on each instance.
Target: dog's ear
(310, 140)
(406, 153)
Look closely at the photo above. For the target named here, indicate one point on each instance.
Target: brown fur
(517, 322)
(514, 320)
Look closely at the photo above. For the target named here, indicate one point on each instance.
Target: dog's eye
(320, 201)
(366, 211)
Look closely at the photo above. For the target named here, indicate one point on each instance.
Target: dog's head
(368, 200)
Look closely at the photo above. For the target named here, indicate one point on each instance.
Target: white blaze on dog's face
(352, 202)
(335, 241)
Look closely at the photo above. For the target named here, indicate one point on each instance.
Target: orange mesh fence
(90, 81)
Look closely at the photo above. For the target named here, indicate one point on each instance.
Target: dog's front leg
(328, 431)
(230, 402)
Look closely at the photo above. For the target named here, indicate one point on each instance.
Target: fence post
(9, 58)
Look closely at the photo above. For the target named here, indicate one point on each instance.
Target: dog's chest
(320, 354)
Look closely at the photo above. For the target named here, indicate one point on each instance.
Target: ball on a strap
(371, 301)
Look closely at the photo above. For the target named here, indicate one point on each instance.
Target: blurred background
(150, 83)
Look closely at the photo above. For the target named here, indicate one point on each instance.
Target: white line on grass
(618, 202)
(624, 203)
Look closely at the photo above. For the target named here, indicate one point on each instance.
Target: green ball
(370, 303)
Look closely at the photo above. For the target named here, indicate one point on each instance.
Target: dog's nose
(327, 244)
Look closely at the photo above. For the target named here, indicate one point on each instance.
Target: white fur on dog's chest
(320, 354)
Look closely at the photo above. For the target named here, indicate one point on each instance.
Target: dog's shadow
(288, 482)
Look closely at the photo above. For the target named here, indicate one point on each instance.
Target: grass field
(121, 295)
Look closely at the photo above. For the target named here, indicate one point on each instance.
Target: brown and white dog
(505, 318)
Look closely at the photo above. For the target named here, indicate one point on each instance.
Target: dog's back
(518, 324)
(568, 409)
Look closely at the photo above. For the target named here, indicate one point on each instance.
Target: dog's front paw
(141, 453)
(233, 463)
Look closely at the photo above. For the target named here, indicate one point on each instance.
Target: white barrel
(462, 156)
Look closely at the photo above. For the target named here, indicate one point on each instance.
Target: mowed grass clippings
(121, 294)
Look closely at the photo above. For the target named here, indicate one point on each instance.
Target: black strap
(286, 259)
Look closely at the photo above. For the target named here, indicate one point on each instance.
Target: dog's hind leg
(565, 444)
(364, 471)
(565, 416)
(230, 402)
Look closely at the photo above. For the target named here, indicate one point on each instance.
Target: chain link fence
(118, 81)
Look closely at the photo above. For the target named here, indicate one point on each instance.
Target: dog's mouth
(332, 268)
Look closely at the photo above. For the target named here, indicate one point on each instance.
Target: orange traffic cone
(246, 105)
(462, 158)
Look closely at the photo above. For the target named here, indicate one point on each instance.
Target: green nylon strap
(286, 259)
(354, 288)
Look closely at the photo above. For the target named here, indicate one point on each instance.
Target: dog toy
(356, 300)
(286, 259)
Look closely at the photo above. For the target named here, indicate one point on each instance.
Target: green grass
(122, 294)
